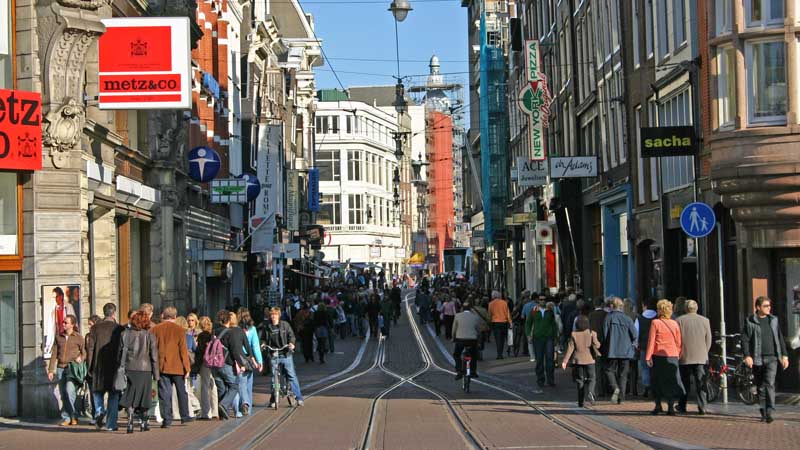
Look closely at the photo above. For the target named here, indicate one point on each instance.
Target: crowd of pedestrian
(611, 346)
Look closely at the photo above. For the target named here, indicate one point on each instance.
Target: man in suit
(173, 361)
(102, 359)
(695, 344)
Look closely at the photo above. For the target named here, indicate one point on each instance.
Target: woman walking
(208, 388)
(139, 359)
(246, 383)
(663, 351)
(581, 348)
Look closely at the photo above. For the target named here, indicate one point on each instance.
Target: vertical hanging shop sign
(534, 100)
(268, 202)
(313, 190)
(293, 200)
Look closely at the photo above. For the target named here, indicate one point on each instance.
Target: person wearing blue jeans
(103, 361)
(277, 333)
(69, 347)
(541, 326)
(245, 402)
(227, 389)
(234, 339)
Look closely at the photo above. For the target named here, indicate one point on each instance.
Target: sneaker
(99, 421)
(66, 423)
(300, 403)
(246, 409)
(769, 418)
(533, 359)
(615, 396)
(74, 421)
(271, 405)
(590, 398)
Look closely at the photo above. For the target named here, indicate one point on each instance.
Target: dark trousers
(765, 380)
(307, 338)
(500, 331)
(437, 322)
(545, 366)
(448, 326)
(584, 376)
(472, 345)
(694, 373)
(165, 384)
(617, 374)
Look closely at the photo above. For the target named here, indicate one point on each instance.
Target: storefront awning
(304, 274)
(213, 254)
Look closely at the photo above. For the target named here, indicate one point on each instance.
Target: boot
(130, 421)
(657, 410)
(145, 424)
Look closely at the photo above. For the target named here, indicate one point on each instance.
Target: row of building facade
(114, 214)
(729, 69)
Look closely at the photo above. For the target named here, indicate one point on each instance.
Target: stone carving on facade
(91, 5)
(62, 130)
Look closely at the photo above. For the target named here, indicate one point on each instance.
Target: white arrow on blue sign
(698, 220)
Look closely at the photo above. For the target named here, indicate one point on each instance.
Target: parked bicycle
(279, 379)
(739, 376)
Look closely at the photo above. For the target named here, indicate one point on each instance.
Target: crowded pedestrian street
(399, 224)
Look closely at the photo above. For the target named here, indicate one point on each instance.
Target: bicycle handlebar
(273, 349)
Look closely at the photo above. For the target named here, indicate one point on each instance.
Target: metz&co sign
(20, 130)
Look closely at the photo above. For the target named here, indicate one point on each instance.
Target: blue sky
(366, 31)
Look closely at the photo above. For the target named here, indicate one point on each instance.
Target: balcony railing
(373, 229)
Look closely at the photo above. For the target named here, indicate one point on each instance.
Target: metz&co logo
(138, 48)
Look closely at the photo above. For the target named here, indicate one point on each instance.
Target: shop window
(8, 320)
(9, 214)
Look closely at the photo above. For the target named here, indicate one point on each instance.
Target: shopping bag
(510, 338)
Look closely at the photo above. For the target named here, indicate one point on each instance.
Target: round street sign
(698, 220)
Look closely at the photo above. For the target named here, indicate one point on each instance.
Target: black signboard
(668, 141)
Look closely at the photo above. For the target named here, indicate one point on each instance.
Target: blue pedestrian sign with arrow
(698, 220)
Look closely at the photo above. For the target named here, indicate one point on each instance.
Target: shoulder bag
(121, 378)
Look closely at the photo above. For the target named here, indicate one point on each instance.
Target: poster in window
(58, 301)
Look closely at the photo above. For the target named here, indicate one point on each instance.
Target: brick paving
(16, 434)
(735, 426)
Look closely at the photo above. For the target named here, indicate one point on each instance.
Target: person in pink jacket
(663, 351)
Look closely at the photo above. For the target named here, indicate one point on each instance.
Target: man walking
(173, 362)
(619, 337)
(541, 325)
(642, 325)
(501, 320)
(695, 344)
(466, 328)
(763, 347)
(102, 360)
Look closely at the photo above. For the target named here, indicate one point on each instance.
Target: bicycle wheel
(712, 389)
(276, 389)
(745, 387)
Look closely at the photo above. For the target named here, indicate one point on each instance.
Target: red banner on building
(20, 130)
(145, 63)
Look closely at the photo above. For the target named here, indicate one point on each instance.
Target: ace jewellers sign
(534, 100)
(20, 130)
(145, 63)
(668, 141)
(531, 173)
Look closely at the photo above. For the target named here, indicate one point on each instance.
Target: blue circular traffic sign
(698, 220)
(253, 186)
(204, 164)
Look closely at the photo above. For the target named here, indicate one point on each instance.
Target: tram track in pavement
(582, 435)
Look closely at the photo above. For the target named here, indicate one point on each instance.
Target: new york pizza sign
(534, 100)
(145, 63)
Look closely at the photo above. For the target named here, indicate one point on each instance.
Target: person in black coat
(102, 361)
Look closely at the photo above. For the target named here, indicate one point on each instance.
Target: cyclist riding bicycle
(278, 333)
(466, 329)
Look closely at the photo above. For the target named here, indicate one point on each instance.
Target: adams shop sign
(668, 141)
(20, 130)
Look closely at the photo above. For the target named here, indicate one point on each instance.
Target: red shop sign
(20, 130)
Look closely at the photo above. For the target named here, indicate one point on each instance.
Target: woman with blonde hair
(663, 351)
(208, 388)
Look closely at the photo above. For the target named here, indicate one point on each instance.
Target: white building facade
(355, 157)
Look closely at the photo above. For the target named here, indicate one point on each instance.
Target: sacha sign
(145, 63)
(20, 130)
(668, 141)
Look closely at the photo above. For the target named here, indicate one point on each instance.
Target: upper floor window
(759, 13)
(354, 163)
(635, 30)
(663, 32)
(766, 81)
(723, 16)
(726, 85)
(678, 23)
(648, 27)
(328, 165)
